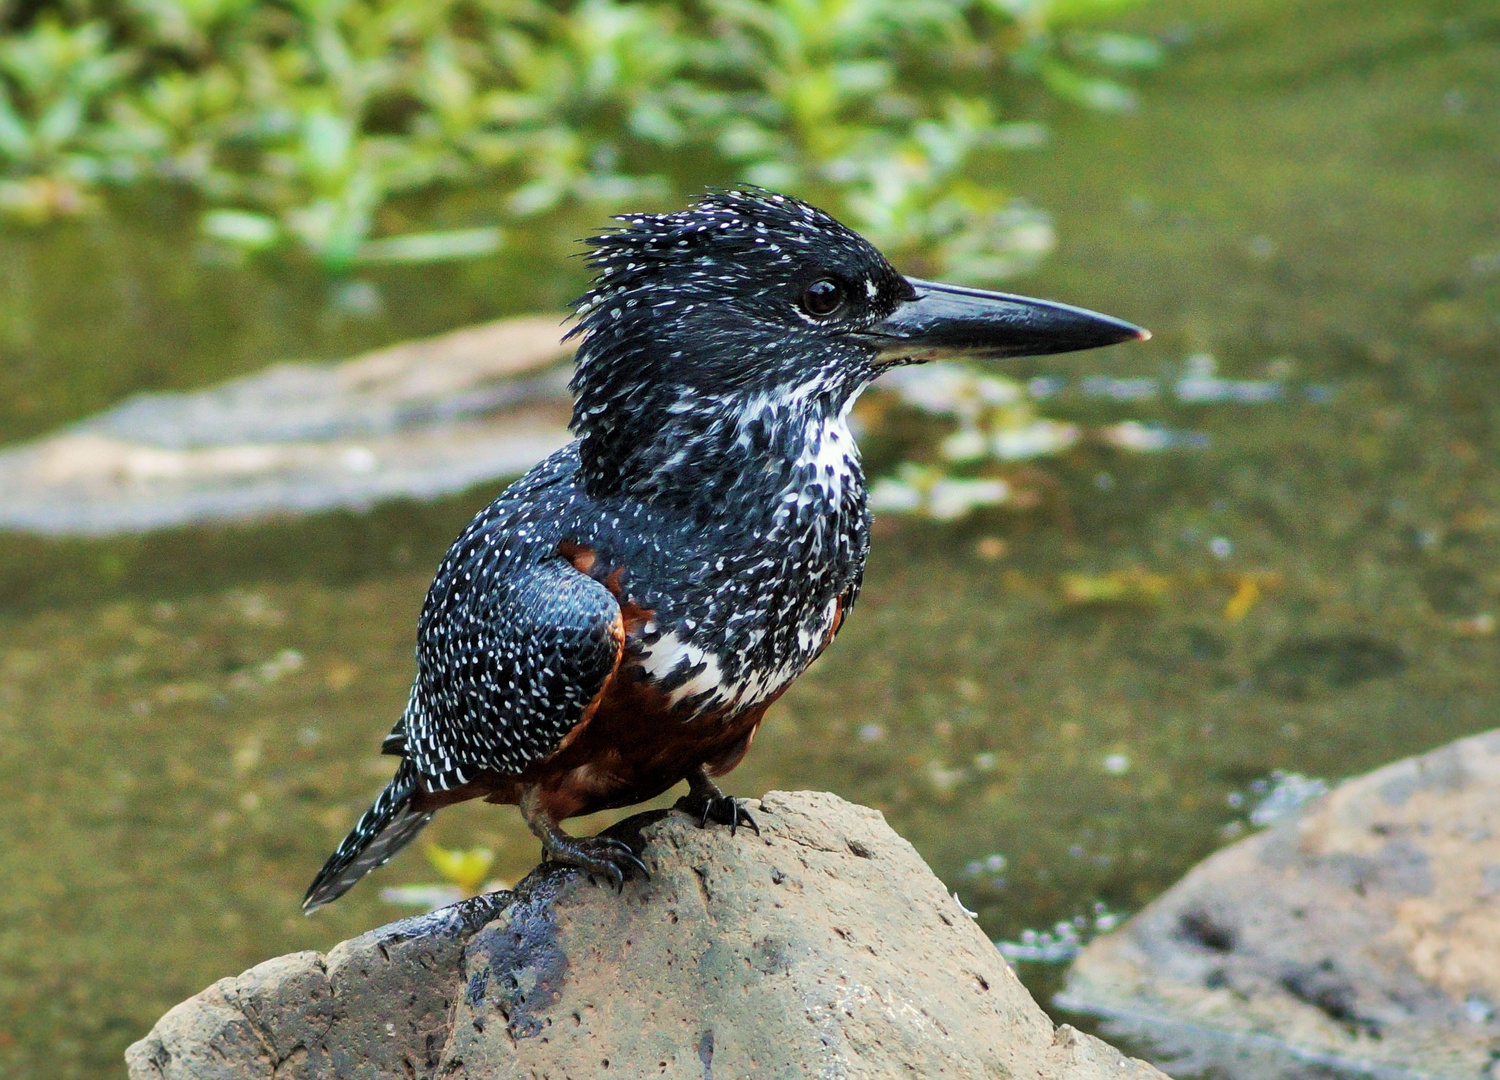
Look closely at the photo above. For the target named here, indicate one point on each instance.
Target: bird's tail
(384, 829)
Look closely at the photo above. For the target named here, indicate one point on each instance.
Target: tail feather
(384, 829)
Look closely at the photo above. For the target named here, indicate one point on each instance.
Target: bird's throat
(788, 448)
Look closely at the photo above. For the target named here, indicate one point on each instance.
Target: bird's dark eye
(823, 297)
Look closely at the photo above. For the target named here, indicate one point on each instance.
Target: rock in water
(823, 947)
(1361, 936)
(417, 420)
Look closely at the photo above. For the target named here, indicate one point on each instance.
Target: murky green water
(189, 721)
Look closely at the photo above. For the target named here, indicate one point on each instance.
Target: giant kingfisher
(620, 618)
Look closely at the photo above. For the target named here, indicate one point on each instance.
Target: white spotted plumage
(715, 485)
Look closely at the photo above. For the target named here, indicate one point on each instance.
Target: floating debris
(283, 663)
(1244, 598)
(1284, 796)
(1248, 589)
(1043, 387)
(991, 548)
(1038, 438)
(924, 490)
(1140, 438)
(988, 872)
(996, 418)
(989, 865)
(1112, 389)
(1123, 588)
(949, 389)
(944, 779)
(1481, 625)
(1202, 385)
(1063, 942)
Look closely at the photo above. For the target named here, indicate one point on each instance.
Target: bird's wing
(507, 665)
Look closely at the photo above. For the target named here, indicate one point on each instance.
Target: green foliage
(297, 121)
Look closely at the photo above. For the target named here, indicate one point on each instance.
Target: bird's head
(750, 303)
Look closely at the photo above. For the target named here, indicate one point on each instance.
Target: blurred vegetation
(298, 122)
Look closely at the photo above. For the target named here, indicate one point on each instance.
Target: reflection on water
(1061, 708)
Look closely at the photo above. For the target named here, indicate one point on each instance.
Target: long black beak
(952, 321)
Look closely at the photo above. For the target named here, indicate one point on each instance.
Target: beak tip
(957, 321)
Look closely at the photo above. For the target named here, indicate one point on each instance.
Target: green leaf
(59, 123)
(1125, 51)
(241, 229)
(16, 143)
(1103, 95)
(431, 247)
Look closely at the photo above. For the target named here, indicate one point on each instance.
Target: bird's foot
(719, 808)
(604, 856)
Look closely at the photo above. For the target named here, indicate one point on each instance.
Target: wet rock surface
(822, 947)
(1361, 936)
(418, 419)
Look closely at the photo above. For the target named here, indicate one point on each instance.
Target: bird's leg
(593, 854)
(708, 803)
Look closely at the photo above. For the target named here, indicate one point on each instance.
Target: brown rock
(822, 947)
(1361, 935)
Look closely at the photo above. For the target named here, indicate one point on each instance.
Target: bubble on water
(1288, 793)
(1114, 389)
(359, 299)
(1117, 764)
(871, 733)
(1045, 386)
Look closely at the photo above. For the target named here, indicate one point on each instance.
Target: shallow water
(189, 721)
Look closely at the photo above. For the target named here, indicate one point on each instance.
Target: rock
(418, 419)
(1361, 935)
(822, 947)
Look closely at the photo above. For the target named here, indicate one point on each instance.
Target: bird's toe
(602, 856)
(719, 809)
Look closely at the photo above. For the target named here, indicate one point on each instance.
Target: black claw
(602, 855)
(747, 819)
(720, 809)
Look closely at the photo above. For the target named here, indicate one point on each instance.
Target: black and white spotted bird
(619, 619)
